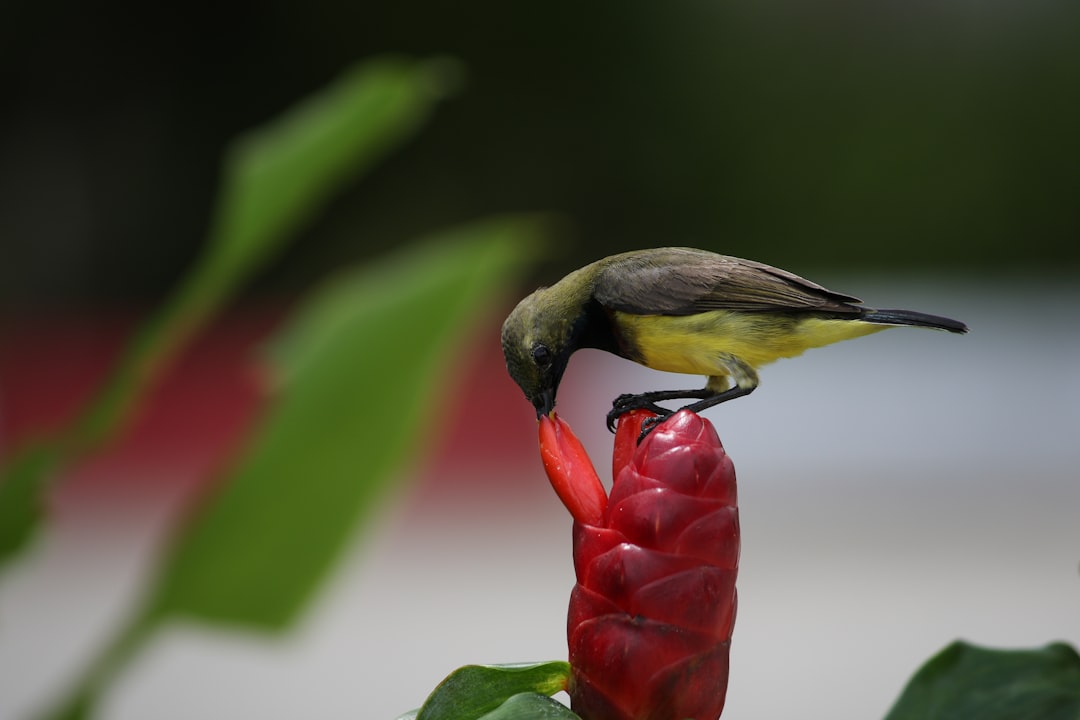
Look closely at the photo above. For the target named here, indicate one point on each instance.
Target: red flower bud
(650, 619)
(570, 471)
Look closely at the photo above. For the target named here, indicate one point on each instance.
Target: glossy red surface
(650, 619)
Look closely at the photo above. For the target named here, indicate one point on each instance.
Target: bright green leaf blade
(530, 706)
(276, 178)
(363, 363)
(473, 691)
(964, 681)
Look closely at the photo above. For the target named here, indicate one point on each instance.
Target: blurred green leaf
(363, 362)
(275, 179)
(479, 691)
(22, 493)
(964, 681)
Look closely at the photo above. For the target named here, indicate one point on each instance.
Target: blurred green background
(826, 134)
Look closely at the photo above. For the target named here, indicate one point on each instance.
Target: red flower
(571, 471)
(650, 618)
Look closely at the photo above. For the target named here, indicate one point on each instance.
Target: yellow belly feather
(693, 344)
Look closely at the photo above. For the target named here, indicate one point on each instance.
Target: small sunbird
(688, 311)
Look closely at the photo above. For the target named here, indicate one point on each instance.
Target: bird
(683, 310)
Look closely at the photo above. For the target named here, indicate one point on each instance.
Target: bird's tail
(917, 319)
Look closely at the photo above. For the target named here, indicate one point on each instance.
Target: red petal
(692, 688)
(713, 538)
(657, 518)
(630, 482)
(701, 599)
(626, 439)
(589, 701)
(589, 543)
(570, 471)
(721, 483)
(626, 568)
(586, 605)
(621, 654)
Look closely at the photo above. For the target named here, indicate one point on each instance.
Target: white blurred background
(897, 492)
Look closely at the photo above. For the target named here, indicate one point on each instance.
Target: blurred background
(897, 493)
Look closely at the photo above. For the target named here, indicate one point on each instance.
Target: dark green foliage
(963, 682)
(499, 692)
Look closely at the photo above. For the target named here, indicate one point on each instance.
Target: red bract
(650, 618)
(570, 470)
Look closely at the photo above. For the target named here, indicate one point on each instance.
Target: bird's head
(538, 338)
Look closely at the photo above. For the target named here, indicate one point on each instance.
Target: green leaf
(362, 364)
(478, 691)
(964, 681)
(22, 493)
(276, 178)
(523, 706)
(530, 706)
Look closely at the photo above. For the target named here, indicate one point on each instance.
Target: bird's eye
(541, 356)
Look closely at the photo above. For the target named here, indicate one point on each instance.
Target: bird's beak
(544, 402)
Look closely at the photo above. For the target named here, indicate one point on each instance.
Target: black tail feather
(917, 319)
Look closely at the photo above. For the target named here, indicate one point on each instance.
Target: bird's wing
(683, 281)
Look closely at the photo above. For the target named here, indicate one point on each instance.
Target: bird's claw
(629, 401)
(612, 416)
(648, 425)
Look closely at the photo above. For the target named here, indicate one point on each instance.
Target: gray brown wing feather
(684, 281)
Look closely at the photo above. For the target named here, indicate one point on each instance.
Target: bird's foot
(649, 424)
(629, 401)
(647, 401)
